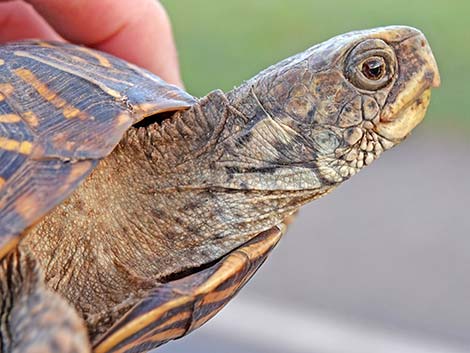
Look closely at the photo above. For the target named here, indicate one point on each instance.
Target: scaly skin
(178, 195)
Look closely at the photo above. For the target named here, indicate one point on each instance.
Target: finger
(138, 31)
(19, 20)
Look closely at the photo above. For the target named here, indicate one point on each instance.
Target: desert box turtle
(131, 212)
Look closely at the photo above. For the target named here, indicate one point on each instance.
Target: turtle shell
(63, 108)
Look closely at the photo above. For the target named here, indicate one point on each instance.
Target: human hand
(138, 31)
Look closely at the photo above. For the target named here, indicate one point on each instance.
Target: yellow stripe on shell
(9, 118)
(79, 59)
(231, 265)
(26, 75)
(30, 118)
(2, 62)
(160, 336)
(2, 182)
(255, 250)
(139, 324)
(45, 44)
(23, 147)
(70, 112)
(218, 296)
(174, 319)
(6, 89)
(101, 58)
(65, 68)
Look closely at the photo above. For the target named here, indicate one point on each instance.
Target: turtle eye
(371, 65)
(374, 68)
(371, 74)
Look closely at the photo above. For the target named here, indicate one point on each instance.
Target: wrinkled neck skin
(216, 177)
(170, 198)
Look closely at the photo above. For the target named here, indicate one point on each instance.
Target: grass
(222, 43)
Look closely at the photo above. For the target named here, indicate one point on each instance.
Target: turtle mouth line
(406, 119)
(398, 114)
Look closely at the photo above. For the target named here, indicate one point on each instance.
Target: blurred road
(380, 265)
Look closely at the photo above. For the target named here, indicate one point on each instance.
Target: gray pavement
(387, 252)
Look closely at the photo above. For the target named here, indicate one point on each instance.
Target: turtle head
(340, 104)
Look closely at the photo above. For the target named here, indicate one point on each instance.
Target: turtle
(131, 212)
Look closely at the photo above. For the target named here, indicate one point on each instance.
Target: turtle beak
(409, 98)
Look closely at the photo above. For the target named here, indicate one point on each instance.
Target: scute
(62, 108)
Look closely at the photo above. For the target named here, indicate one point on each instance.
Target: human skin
(116, 27)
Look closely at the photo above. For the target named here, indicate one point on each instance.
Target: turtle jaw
(405, 120)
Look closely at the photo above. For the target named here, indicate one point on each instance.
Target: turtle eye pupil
(373, 69)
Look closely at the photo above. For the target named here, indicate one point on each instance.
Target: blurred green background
(222, 43)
